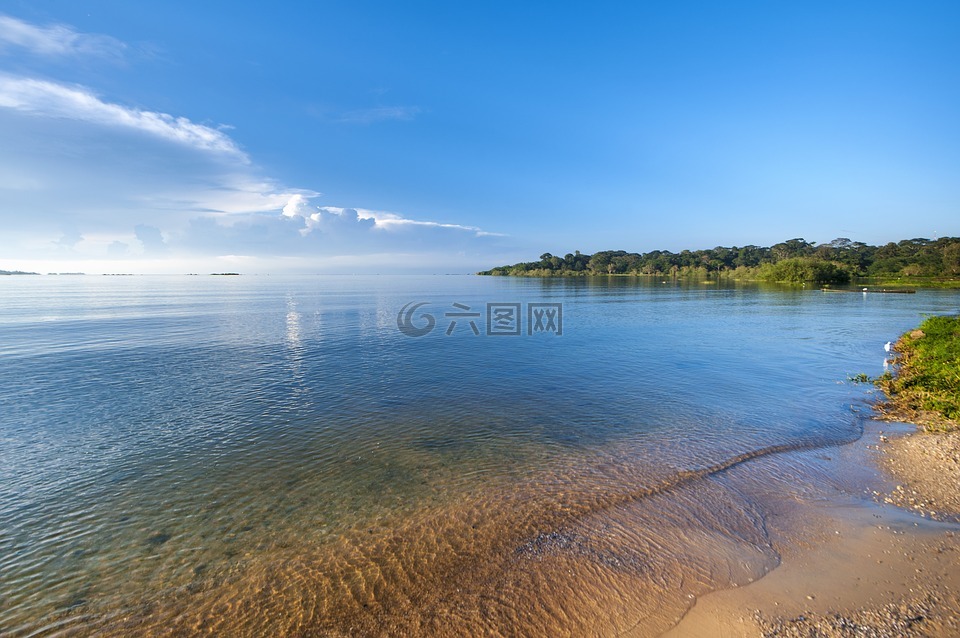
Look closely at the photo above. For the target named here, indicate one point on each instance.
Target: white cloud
(296, 206)
(42, 98)
(389, 221)
(323, 216)
(380, 114)
(231, 197)
(162, 202)
(96, 179)
(393, 221)
(55, 40)
(84, 180)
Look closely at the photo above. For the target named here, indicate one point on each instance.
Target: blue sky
(449, 137)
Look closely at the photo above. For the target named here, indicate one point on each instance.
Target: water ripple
(248, 455)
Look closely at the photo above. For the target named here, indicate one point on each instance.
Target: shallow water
(262, 455)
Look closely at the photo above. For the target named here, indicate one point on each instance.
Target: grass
(909, 282)
(925, 388)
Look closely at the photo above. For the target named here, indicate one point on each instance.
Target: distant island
(791, 261)
(17, 272)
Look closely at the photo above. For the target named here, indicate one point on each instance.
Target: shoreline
(890, 566)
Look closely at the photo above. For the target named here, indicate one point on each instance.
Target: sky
(448, 137)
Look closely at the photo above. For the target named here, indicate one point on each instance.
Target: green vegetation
(17, 272)
(926, 387)
(800, 269)
(909, 262)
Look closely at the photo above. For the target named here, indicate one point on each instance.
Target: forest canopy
(794, 260)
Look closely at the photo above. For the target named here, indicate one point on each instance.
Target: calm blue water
(241, 455)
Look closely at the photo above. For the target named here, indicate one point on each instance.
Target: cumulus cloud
(296, 206)
(55, 40)
(151, 238)
(332, 217)
(43, 98)
(338, 219)
(325, 233)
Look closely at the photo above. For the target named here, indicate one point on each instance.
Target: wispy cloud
(393, 221)
(50, 99)
(380, 114)
(55, 40)
(108, 182)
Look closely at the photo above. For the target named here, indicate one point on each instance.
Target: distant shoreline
(712, 278)
(793, 261)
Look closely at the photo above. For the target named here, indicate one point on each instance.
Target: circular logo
(405, 320)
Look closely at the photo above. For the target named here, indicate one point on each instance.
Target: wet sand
(928, 467)
(787, 538)
(882, 566)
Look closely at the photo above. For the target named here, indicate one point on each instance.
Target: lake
(260, 455)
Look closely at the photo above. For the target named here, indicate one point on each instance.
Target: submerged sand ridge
(877, 570)
(605, 543)
(603, 547)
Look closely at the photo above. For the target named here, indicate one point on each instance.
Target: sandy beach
(887, 565)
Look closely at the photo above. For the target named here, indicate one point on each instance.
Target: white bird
(887, 346)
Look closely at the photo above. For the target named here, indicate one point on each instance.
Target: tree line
(794, 260)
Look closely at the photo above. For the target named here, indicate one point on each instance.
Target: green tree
(951, 259)
(798, 247)
(803, 269)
